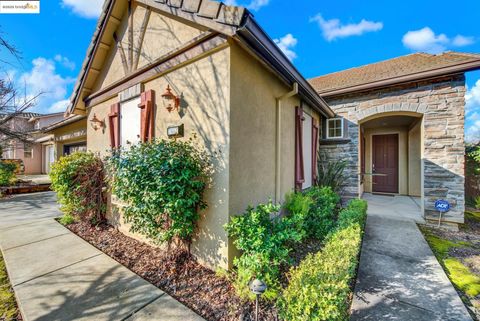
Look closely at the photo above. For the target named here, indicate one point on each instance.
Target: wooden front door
(385, 163)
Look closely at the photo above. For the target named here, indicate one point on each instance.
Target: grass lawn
(8, 305)
(459, 254)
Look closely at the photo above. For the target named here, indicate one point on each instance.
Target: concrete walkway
(58, 276)
(399, 278)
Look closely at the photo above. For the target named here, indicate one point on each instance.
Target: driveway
(399, 277)
(58, 276)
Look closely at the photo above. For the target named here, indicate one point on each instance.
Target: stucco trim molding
(406, 108)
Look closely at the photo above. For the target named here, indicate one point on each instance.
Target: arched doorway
(391, 155)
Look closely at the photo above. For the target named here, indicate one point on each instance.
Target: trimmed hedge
(319, 288)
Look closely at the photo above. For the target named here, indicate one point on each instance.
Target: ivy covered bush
(319, 288)
(161, 184)
(7, 173)
(265, 244)
(79, 180)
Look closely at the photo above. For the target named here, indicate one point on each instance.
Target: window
(335, 128)
(27, 151)
(307, 141)
(130, 122)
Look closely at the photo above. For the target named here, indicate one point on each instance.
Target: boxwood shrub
(319, 288)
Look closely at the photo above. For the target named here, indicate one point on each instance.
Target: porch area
(398, 207)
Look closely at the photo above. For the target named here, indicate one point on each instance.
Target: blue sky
(319, 36)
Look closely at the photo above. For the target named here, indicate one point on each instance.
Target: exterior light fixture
(96, 123)
(170, 100)
(257, 287)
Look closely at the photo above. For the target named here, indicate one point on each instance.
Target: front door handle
(373, 168)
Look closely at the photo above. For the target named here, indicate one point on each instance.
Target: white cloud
(426, 40)
(472, 113)
(59, 106)
(286, 44)
(333, 28)
(67, 63)
(84, 8)
(257, 4)
(460, 41)
(43, 79)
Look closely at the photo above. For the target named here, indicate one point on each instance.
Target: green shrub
(7, 173)
(319, 288)
(264, 244)
(313, 211)
(321, 218)
(79, 180)
(162, 185)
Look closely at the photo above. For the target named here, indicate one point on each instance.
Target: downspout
(278, 140)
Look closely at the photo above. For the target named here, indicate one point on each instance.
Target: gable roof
(407, 68)
(231, 21)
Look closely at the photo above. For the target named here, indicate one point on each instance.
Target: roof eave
(435, 73)
(252, 35)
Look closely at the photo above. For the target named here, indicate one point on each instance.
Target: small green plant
(7, 173)
(319, 288)
(162, 185)
(331, 173)
(477, 202)
(264, 242)
(79, 180)
(66, 219)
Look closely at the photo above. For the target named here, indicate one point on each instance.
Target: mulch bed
(177, 273)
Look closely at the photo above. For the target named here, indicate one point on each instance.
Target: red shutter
(114, 124)
(314, 150)
(299, 172)
(147, 116)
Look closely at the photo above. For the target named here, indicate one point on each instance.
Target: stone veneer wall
(441, 102)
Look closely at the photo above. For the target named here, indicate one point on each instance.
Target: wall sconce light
(170, 101)
(96, 123)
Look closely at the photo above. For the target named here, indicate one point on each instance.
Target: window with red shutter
(299, 172)
(147, 116)
(114, 125)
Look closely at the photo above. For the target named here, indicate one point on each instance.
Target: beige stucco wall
(204, 88)
(402, 156)
(162, 36)
(415, 159)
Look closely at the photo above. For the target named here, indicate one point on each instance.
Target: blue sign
(442, 205)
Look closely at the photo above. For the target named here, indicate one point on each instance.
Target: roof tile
(390, 69)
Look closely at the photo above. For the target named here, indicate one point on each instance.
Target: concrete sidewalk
(58, 276)
(399, 277)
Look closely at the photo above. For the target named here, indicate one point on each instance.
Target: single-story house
(400, 124)
(62, 138)
(231, 86)
(28, 153)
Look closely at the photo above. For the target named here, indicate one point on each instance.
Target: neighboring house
(237, 92)
(400, 125)
(63, 138)
(29, 153)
